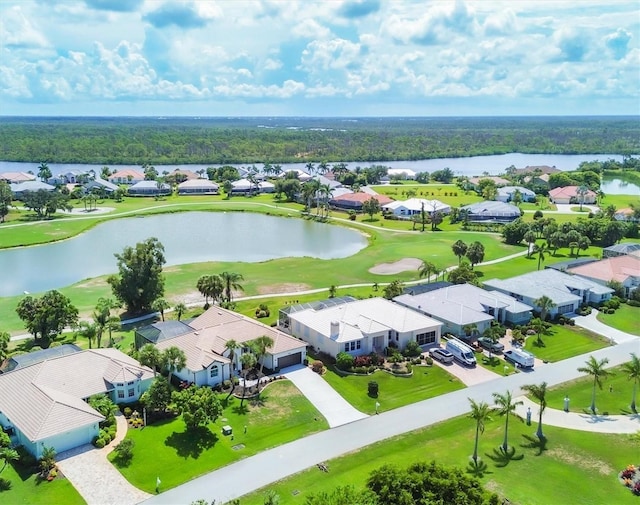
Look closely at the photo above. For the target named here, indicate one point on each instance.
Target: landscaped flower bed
(630, 477)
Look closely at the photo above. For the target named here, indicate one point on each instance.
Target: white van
(520, 357)
(461, 352)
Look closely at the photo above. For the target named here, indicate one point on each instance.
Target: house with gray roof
(461, 305)
(149, 188)
(567, 292)
(44, 404)
(20, 188)
(488, 211)
(99, 184)
(31, 358)
(198, 187)
(621, 249)
(361, 327)
(506, 194)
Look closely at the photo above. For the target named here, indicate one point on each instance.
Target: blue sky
(319, 58)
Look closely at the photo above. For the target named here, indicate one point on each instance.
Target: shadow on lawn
(502, 458)
(533, 442)
(478, 468)
(191, 444)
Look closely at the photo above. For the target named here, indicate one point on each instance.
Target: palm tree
(596, 369)
(530, 239)
(180, 309)
(260, 346)
(480, 413)
(104, 320)
(88, 331)
(539, 392)
(426, 269)
(150, 356)
(544, 303)
(231, 346)
(539, 326)
(160, 305)
(210, 286)
(231, 281)
(581, 192)
(325, 193)
(248, 361)
(44, 172)
(632, 369)
(459, 249)
(505, 406)
(173, 359)
(540, 250)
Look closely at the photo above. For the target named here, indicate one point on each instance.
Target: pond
(188, 237)
(615, 186)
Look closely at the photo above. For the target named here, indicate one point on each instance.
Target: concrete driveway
(336, 410)
(468, 376)
(591, 323)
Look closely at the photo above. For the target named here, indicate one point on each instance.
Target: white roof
(363, 317)
(507, 190)
(242, 184)
(415, 204)
(198, 183)
(30, 186)
(399, 171)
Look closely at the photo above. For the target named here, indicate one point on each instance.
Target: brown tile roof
(544, 169)
(568, 191)
(618, 268)
(498, 180)
(363, 197)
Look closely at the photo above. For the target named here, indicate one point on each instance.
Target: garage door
(292, 359)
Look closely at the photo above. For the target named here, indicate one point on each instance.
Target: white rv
(520, 357)
(461, 352)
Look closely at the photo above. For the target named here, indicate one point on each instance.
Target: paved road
(280, 462)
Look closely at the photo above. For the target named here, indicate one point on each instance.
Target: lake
(473, 165)
(188, 237)
(614, 186)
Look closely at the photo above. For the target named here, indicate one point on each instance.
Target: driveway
(591, 323)
(468, 376)
(336, 410)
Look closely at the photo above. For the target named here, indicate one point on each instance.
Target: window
(132, 392)
(426, 338)
(120, 393)
(214, 371)
(130, 383)
(563, 309)
(346, 347)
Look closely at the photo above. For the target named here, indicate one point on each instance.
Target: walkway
(591, 323)
(94, 477)
(336, 410)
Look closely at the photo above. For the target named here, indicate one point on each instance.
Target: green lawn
(564, 342)
(27, 489)
(574, 467)
(426, 382)
(626, 318)
(614, 401)
(496, 364)
(166, 450)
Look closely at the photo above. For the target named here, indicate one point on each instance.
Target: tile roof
(618, 268)
(568, 191)
(362, 197)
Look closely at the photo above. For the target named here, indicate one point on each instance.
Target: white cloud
(18, 31)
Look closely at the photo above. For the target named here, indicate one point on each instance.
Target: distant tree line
(220, 141)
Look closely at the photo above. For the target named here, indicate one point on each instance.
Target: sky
(319, 58)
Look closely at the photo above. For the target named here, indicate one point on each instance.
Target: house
(506, 193)
(621, 249)
(75, 176)
(567, 292)
(16, 177)
(536, 170)
(126, 176)
(499, 181)
(415, 206)
(44, 403)
(541, 181)
(460, 305)
(198, 187)
(402, 173)
(301, 174)
(361, 327)
(570, 194)
(98, 184)
(266, 187)
(488, 211)
(626, 214)
(624, 269)
(149, 188)
(19, 189)
(203, 341)
(27, 359)
(354, 201)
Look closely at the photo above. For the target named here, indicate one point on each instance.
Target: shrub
(409, 367)
(352, 215)
(412, 349)
(611, 311)
(363, 361)
(344, 361)
(99, 443)
(124, 451)
(317, 366)
(375, 359)
(127, 412)
(428, 360)
(373, 388)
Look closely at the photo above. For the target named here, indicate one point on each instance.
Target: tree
(231, 346)
(87, 330)
(540, 327)
(103, 320)
(632, 369)
(47, 461)
(103, 404)
(545, 304)
(173, 359)
(149, 355)
(231, 282)
(260, 346)
(530, 239)
(342, 495)
(393, 289)
(180, 309)
(427, 269)
(505, 406)
(7, 453)
(158, 396)
(583, 244)
(581, 192)
(459, 249)
(5, 338)
(210, 286)
(371, 207)
(140, 281)
(463, 274)
(45, 203)
(47, 316)
(597, 370)
(227, 186)
(444, 176)
(248, 361)
(199, 406)
(539, 393)
(480, 413)
(44, 172)
(6, 198)
(124, 451)
(475, 253)
(160, 305)
(541, 251)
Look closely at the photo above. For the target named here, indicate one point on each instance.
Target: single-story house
(414, 206)
(149, 188)
(302, 175)
(537, 180)
(19, 189)
(361, 327)
(498, 181)
(126, 176)
(203, 341)
(625, 214)
(621, 249)
(100, 184)
(491, 211)
(506, 193)
(198, 187)
(463, 305)
(539, 169)
(74, 176)
(266, 187)
(569, 194)
(567, 292)
(624, 269)
(354, 201)
(30, 358)
(16, 177)
(403, 173)
(44, 404)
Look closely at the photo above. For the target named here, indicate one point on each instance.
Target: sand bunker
(402, 265)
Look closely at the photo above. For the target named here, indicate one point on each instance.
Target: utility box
(227, 430)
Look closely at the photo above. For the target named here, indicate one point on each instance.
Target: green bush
(344, 361)
(412, 349)
(428, 360)
(409, 367)
(127, 412)
(373, 389)
(99, 443)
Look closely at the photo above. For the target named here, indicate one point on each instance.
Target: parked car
(442, 355)
(461, 352)
(489, 345)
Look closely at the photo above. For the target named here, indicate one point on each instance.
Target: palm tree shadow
(240, 409)
(502, 458)
(535, 443)
(477, 468)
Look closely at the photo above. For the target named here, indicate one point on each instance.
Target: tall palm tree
(231, 281)
(232, 346)
(210, 286)
(426, 269)
(103, 319)
(541, 251)
(632, 369)
(539, 392)
(44, 172)
(150, 356)
(173, 359)
(459, 249)
(480, 413)
(597, 370)
(87, 330)
(248, 361)
(260, 346)
(544, 303)
(505, 405)
(180, 309)
(160, 305)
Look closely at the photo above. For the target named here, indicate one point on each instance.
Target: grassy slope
(563, 342)
(626, 318)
